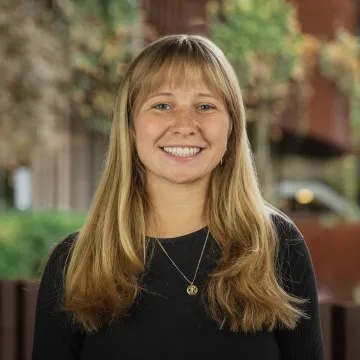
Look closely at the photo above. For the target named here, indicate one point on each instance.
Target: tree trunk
(264, 164)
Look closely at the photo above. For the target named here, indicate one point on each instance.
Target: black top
(172, 324)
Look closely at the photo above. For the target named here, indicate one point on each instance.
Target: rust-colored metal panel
(165, 17)
(319, 17)
(8, 320)
(327, 119)
(335, 253)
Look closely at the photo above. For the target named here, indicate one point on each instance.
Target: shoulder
(64, 246)
(294, 264)
(57, 257)
(52, 279)
(286, 229)
(293, 250)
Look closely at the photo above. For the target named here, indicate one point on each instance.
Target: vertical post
(326, 326)
(8, 320)
(262, 152)
(346, 332)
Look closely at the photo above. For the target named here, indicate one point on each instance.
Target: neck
(178, 208)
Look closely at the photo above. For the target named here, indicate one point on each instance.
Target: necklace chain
(197, 268)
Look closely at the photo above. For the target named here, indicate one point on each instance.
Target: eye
(162, 106)
(206, 107)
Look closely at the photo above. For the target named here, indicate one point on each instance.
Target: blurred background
(61, 62)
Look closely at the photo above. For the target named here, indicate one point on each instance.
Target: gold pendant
(192, 290)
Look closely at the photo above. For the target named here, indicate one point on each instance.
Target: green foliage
(100, 45)
(110, 12)
(26, 239)
(264, 42)
(355, 119)
(261, 39)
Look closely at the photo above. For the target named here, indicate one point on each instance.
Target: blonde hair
(111, 252)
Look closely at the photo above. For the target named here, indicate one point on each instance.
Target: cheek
(147, 131)
(218, 131)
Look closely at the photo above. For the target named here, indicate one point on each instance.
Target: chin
(181, 181)
(185, 178)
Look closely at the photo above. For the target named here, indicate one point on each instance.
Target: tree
(271, 55)
(43, 51)
(263, 41)
(100, 48)
(340, 62)
(35, 77)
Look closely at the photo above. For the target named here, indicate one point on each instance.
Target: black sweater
(172, 324)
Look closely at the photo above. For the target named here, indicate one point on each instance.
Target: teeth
(182, 151)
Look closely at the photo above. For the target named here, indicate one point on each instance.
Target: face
(181, 133)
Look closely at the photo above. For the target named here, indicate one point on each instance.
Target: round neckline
(181, 238)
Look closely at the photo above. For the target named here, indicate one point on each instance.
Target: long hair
(111, 250)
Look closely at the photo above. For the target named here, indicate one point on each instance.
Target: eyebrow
(171, 94)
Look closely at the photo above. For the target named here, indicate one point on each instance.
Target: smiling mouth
(183, 153)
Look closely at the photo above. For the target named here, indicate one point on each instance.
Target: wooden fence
(340, 324)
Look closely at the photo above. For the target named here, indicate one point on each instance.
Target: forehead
(178, 75)
(189, 86)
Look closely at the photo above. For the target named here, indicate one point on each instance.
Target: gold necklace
(191, 289)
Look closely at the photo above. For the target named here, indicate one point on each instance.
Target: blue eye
(206, 107)
(161, 107)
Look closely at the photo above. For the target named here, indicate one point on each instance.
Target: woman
(180, 256)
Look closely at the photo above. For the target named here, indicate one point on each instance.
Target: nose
(185, 124)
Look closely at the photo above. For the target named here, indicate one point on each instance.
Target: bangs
(182, 65)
